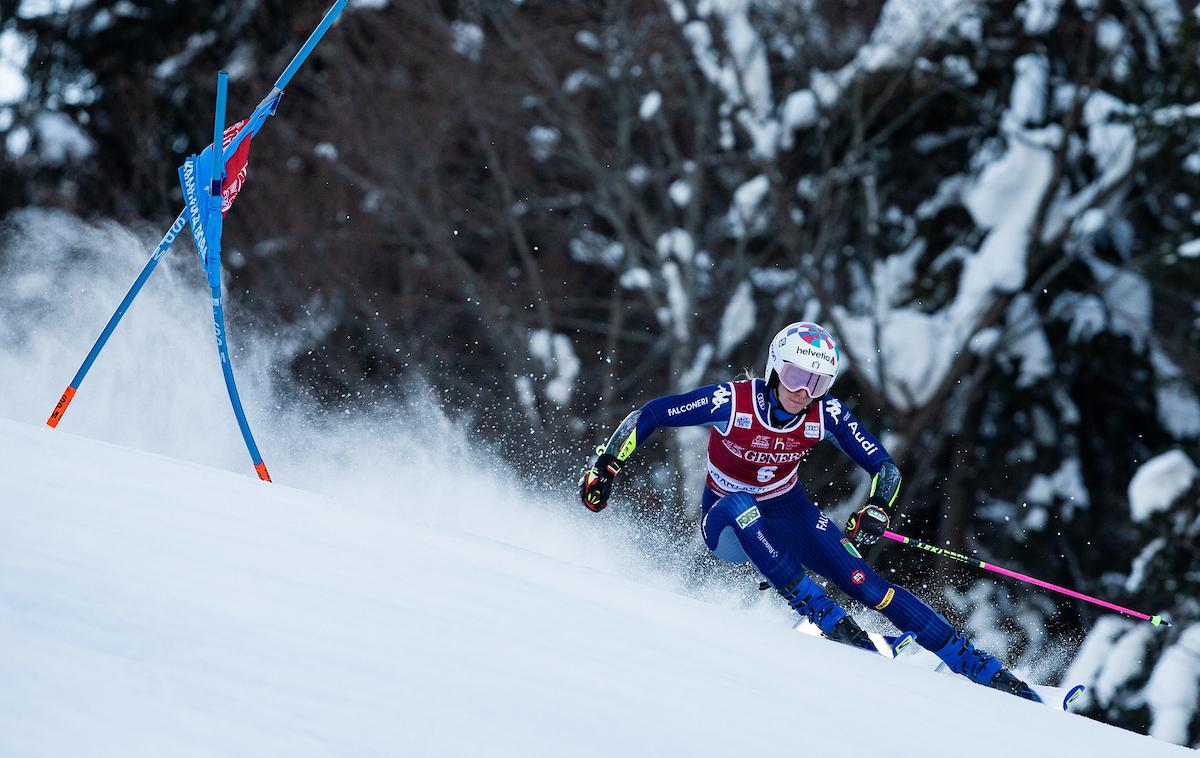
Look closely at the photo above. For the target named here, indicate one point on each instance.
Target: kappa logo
(812, 429)
(720, 396)
(833, 407)
(858, 577)
(742, 420)
(762, 441)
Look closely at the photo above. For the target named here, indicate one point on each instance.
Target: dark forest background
(553, 211)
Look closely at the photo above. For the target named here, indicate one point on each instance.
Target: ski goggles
(795, 379)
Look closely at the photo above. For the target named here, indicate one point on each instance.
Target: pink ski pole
(1156, 620)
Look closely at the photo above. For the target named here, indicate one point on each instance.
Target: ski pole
(1156, 620)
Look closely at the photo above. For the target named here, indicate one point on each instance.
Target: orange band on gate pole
(262, 472)
(67, 396)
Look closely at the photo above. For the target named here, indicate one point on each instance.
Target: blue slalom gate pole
(254, 123)
(306, 49)
(215, 220)
(264, 110)
(271, 101)
(69, 394)
(212, 268)
(235, 400)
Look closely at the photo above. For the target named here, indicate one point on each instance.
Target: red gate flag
(236, 167)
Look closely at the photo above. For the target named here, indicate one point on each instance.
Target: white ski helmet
(803, 355)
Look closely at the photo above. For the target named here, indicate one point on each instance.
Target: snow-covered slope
(397, 592)
(150, 607)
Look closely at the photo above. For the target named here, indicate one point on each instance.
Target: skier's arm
(705, 406)
(885, 487)
(866, 525)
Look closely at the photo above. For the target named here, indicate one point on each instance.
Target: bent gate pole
(264, 109)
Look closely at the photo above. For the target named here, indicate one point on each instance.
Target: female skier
(754, 508)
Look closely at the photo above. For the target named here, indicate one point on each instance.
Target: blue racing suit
(783, 532)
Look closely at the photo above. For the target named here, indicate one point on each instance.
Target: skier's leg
(735, 532)
(720, 534)
(823, 548)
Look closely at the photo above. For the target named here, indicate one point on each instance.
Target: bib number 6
(766, 473)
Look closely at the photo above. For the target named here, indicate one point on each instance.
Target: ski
(1072, 695)
(901, 644)
(1059, 698)
(882, 644)
(1056, 697)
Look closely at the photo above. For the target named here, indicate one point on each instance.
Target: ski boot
(848, 632)
(961, 657)
(1007, 682)
(810, 601)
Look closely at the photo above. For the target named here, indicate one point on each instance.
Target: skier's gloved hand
(867, 525)
(596, 483)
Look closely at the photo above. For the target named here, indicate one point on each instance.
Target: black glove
(867, 524)
(596, 483)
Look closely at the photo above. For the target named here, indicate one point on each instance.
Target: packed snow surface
(154, 607)
(399, 591)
